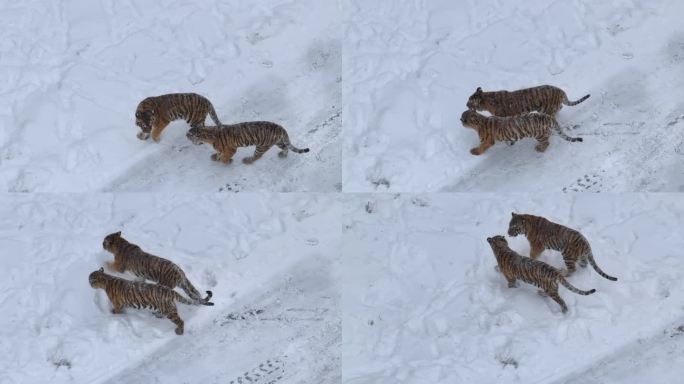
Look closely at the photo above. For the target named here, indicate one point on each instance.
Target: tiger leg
(173, 316)
(584, 260)
(116, 307)
(554, 295)
(283, 150)
(569, 265)
(157, 129)
(227, 155)
(543, 144)
(258, 152)
(484, 145)
(511, 282)
(552, 110)
(190, 290)
(114, 266)
(535, 249)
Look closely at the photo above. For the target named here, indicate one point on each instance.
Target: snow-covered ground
(409, 68)
(422, 302)
(74, 71)
(270, 260)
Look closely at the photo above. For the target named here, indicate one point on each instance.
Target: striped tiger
(135, 294)
(129, 257)
(545, 99)
(228, 138)
(514, 266)
(544, 234)
(155, 113)
(491, 129)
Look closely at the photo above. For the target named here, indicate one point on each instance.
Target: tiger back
(514, 266)
(545, 99)
(226, 139)
(544, 234)
(154, 113)
(130, 294)
(130, 257)
(491, 129)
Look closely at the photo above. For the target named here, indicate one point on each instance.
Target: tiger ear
(101, 269)
(478, 90)
(118, 233)
(513, 214)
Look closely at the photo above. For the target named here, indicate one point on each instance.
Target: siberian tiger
(129, 257)
(514, 266)
(545, 99)
(544, 234)
(491, 129)
(134, 294)
(155, 113)
(227, 138)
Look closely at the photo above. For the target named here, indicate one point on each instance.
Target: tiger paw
(215, 157)
(179, 331)
(155, 139)
(248, 160)
(282, 154)
(541, 147)
(143, 135)
(475, 151)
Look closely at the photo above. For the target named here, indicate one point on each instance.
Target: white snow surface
(423, 302)
(409, 68)
(270, 260)
(74, 71)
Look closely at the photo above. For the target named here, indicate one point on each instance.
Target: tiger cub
(129, 257)
(491, 129)
(514, 266)
(134, 294)
(545, 99)
(155, 113)
(544, 234)
(227, 138)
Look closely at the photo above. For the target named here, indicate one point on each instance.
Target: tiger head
(475, 100)
(517, 225)
(110, 241)
(497, 242)
(145, 117)
(198, 136)
(97, 278)
(469, 119)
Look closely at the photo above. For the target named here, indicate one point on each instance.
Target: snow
(74, 72)
(271, 255)
(409, 68)
(423, 303)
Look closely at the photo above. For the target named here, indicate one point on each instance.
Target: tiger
(491, 129)
(136, 294)
(545, 99)
(129, 257)
(227, 138)
(154, 113)
(544, 234)
(514, 266)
